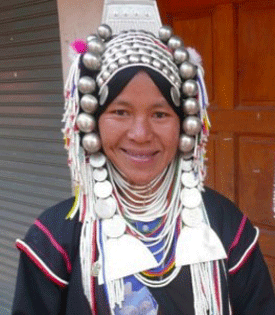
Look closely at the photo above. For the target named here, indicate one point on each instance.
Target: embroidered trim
(40, 264)
(239, 234)
(60, 249)
(246, 254)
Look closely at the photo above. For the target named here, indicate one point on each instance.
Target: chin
(140, 180)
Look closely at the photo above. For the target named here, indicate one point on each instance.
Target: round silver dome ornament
(181, 55)
(175, 42)
(96, 46)
(91, 142)
(92, 61)
(86, 85)
(186, 143)
(187, 70)
(104, 31)
(91, 37)
(191, 106)
(190, 88)
(89, 103)
(85, 122)
(165, 32)
(192, 125)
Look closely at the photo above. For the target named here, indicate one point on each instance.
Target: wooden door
(237, 43)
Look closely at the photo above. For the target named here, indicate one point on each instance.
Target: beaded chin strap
(95, 181)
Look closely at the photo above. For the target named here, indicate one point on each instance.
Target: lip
(140, 156)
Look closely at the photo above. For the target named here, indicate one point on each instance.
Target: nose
(140, 130)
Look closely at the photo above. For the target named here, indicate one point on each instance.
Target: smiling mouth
(140, 156)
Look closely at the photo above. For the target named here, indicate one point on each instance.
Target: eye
(160, 114)
(120, 112)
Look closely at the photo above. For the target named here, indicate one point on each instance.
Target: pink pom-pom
(80, 46)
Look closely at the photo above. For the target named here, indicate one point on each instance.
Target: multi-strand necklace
(157, 205)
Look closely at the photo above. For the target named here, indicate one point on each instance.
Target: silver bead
(166, 71)
(92, 61)
(181, 55)
(146, 59)
(125, 46)
(112, 67)
(99, 81)
(120, 54)
(186, 143)
(123, 61)
(86, 85)
(104, 31)
(165, 32)
(157, 64)
(106, 75)
(89, 103)
(190, 106)
(192, 125)
(187, 70)
(175, 42)
(190, 88)
(172, 78)
(134, 59)
(85, 122)
(91, 142)
(155, 55)
(96, 46)
(129, 52)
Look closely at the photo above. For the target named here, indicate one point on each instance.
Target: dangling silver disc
(97, 159)
(103, 189)
(105, 208)
(100, 174)
(192, 217)
(187, 166)
(191, 198)
(114, 227)
(104, 95)
(175, 95)
(189, 179)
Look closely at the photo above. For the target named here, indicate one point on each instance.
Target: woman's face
(140, 131)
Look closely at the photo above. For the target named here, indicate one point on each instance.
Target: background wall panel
(33, 170)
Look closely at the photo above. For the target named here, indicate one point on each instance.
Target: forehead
(141, 89)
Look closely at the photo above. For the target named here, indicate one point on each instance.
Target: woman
(142, 235)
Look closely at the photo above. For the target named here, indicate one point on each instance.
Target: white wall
(77, 19)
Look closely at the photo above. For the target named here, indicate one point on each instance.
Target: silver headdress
(131, 35)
